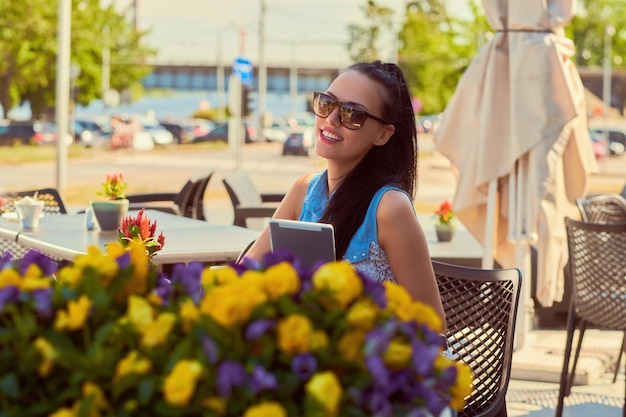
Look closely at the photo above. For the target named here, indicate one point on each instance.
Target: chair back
(602, 208)
(53, 202)
(481, 307)
(241, 189)
(597, 266)
(194, 206)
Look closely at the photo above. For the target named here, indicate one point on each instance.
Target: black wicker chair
(605, 208)
(188, 202)
(481, 307)
(247, 201)
(597, 268)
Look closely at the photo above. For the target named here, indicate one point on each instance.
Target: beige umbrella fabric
(518, 118)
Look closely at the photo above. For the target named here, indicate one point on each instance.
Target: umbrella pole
(487, 261)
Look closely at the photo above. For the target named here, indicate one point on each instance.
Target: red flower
(445, 213)
(141, 228)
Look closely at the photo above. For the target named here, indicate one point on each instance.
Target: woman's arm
(402, 238)
(289, 209)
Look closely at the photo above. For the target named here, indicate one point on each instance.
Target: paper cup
(29, 213)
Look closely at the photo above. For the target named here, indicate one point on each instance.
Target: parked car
(220, 133)
(186, 130)
(27, 132)
(299, 141)
(92, 133)
(599, 145)
(276, 132)
(616, 129)
(160, 135)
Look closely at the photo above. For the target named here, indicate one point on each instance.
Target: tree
(364, 39)
(29, 46)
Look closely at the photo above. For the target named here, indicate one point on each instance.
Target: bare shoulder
(291, 205)
(395, 206)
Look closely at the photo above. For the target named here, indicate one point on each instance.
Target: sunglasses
(350, 115)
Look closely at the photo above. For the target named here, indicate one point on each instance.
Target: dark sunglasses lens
(351, 117)
(324, 105)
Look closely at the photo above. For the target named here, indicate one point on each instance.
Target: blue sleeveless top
(363, 252)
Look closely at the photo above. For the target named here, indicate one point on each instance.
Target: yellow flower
(64, 412)
(218, 275)
(95, 259)
(32, 279)
(138, 282)
(132, 364)
(423, 313)
(139, 311)
(463, 386)
(232, 303)
(75, 316)
(326, 389)
(189, 314)
(90, 389)
(9, 278)
(267, 409)
(281, 279)
(363, 314)
(180, 384)
(48, 353)
(350, 345)
(294, 334)
(319, 341)
(156, 333)
(398, 300)
(341, 280)
(215, 404)
(398, 353)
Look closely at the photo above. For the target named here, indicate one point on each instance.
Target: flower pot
(444, 232)
(109, 214)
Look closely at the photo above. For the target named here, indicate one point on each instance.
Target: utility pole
(63, 89)
(262, 72)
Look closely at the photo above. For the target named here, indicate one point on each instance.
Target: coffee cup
(29, 212)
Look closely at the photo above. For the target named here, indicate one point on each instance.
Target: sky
(300, 32)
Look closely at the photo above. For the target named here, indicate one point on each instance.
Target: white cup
(29, 213)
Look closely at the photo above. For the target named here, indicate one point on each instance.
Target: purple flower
(423, 356)
(45, 263)
(262, 379)
(304, 366)
(124, 260)
(434, 401)
(43, 301)
(258, 328)
(6, 260)
(8, 295)
(187, 277)
(378, 370)
(376, 290)
(230, 375)
(163, 290)
(447, 378)
(211, 350)
(379, 405)
(376, 342)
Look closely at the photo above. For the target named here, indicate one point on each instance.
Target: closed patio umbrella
(516, 133)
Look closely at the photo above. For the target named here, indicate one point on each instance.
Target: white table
(463, 249)
(65, 236)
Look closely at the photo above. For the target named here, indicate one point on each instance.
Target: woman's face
(335, 142)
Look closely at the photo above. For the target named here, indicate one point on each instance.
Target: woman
(365, 129)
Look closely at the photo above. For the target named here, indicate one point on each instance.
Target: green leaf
(10, 386)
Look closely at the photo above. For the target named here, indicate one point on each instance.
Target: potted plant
(445, 227)
(112, 336)
(110, 212)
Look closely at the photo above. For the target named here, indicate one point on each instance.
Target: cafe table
(64, 236)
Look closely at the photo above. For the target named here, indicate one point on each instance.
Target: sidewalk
(534, 386)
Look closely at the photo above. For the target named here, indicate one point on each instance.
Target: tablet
(308, 241)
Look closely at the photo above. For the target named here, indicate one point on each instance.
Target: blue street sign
(242, 67)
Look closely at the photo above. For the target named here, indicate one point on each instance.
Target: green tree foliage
(28, 48)
(364, 40)
(588, 27)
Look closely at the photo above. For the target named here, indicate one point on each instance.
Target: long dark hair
(393, 163)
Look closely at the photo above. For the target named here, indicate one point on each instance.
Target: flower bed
(108, 335)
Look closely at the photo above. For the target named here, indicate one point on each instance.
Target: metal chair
(53, 204)
(247, 201)
(597, 268)
(605, 208)
(480, 307)
(188, 202)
